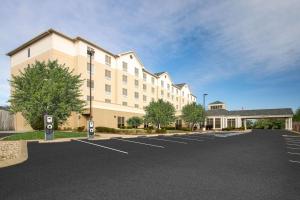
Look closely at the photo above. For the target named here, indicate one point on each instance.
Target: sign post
(90, 131)
(49, 127)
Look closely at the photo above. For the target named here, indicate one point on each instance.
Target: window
(136, 95)
(162, 83)
(177, 107)
(172, 97)
(107, 74)
(136, 83)
(107, 101)
(107, 60)
(124, 103)
(172, 90)
(217, 122)
(125, 66)
(231, 123)
(136, 105)
(144, 76)
(176, 91)
(162, 93)
(152, 99)
(168, 86)
(90, 83)
(152, 80)
(153, 90)
(107, 89)
(168, 95)
(124, 79)
(182, 93)
(144, 98)
(177, 99)
(88, 98)
(210, 122)
(28, 52)
(144, 87)
(88, 68)
(121, 122)
(124, 92)
(136, 71)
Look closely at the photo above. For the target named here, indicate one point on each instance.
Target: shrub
(102, 129)
(80, 128)
(134, 121)
(170, 128)
(161, 130)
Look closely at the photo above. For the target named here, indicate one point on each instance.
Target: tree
(160, 113)
(296, 116)
(134, 121)
(192, 114)
(46, 88)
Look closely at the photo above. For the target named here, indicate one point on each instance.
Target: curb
(22, 156)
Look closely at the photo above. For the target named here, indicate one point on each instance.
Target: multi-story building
(121, 85)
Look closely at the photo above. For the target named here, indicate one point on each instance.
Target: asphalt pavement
(264, 164)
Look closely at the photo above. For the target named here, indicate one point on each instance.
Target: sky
(245, 53)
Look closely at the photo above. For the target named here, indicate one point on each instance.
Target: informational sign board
(90, 130)
(49, 127)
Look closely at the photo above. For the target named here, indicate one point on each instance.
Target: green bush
(161, 130)
(170, 128)
(80, 128)
(149, 130)
(102, 129)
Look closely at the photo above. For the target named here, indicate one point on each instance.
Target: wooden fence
(296, 126)
(6, 121)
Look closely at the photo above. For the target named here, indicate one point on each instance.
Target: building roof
(180, 85)
(49, 32)
(257, 112)
(135, 54)
(216, 102)
(144, 70)
(159, 73)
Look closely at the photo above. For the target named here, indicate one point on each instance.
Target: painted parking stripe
(98, 145)
(192, 139)
(294, 148)
(293, 144)
(296, 136)
(147, 144)
(201, 137)
(292, 140)
(293, 153)
(167, 140)
(295, 161)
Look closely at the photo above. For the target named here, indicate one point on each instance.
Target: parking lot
(259, 165)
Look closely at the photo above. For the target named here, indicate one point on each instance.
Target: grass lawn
(40, 135)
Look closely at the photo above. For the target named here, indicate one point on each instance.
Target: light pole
(90, 52)
(204, 123)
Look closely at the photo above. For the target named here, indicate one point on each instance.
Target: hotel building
(121, 85)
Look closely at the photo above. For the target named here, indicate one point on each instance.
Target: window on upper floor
(136, 95)
(168, 95)
(144, 98)
(88, 67)
(162, 83)
(124, 79)
(124, 103)
(182, 93)
(28, 52)
(90, 83)
(136, 71)
(107, 89)
(136, 83)
(152, 80)
(88, 98)
(162, 93)
(108, 60)
(124, 66)
(124, 92)
(136, 105)
(144, 87)
(107, 74)
(168, 86)
(152, 99)
(153, 90)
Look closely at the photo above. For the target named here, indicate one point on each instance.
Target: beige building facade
(121, 85)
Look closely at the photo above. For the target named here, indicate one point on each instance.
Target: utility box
(49, 127)
(90, 130)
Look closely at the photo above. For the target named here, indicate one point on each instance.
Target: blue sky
(245, 53)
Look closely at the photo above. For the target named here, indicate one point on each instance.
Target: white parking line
(167, 140)
(292, 140)
(293, 144)
(153, 145)
(201, 137)
(294, 161)
(294, 148)
(293, 153)
(189, 139)
(98, 145)
(296, 136)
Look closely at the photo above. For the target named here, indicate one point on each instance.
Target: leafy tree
(193, 113)
(160, 113)
(46, 88)
(296, 116)
(134, 121)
